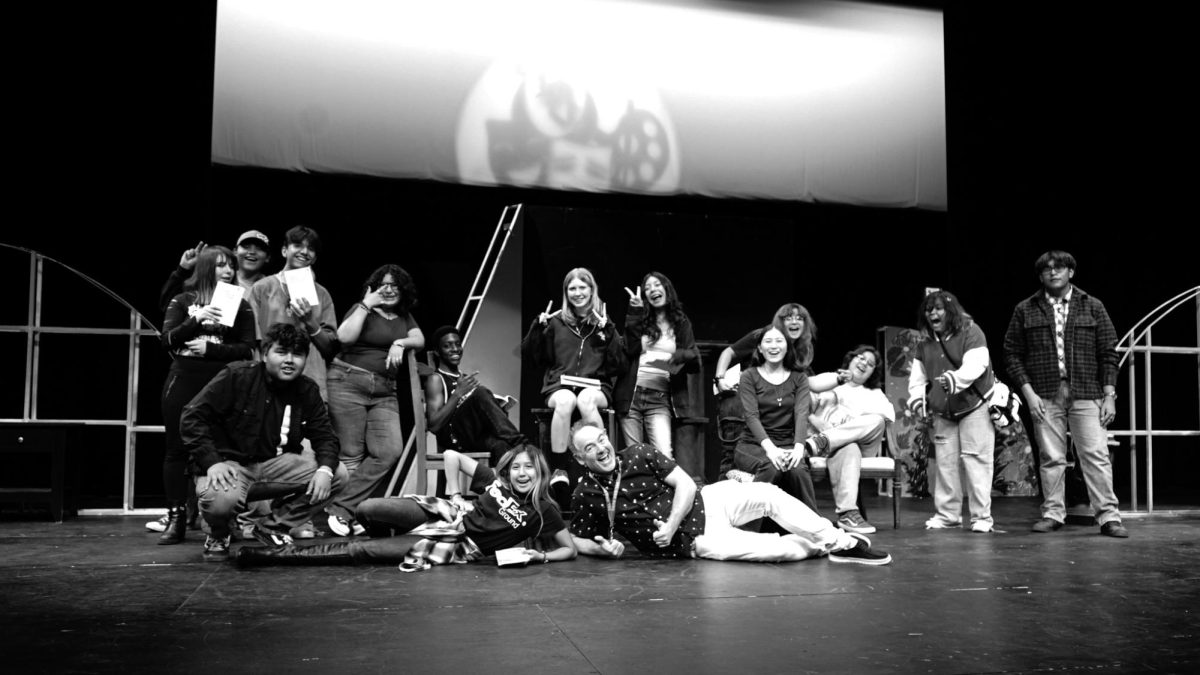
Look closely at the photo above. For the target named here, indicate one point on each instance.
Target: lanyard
(610, 502)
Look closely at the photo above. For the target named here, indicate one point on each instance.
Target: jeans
(650, 411)
(479, 424)
(1082, 418)
(366, 418)
(965, 448)
(283, 478)
(858, 437)
(729, 504)
(797, 481)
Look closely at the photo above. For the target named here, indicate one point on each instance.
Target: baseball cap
(258, 237)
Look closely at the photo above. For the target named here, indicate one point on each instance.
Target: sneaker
(1046, 525)
(818, 446)
(852, 521)
(739, 476)
(216, 549)
(560, 489)
(159, 525)
(305, 531)
(861, 553)
(936, 523)
(1114, 528)
(270, 538)
(342, 527)
(981, 527)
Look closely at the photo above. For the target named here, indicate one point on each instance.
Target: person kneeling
(641, 494)
(244, 433)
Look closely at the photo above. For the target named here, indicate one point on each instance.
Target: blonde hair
(585, 275)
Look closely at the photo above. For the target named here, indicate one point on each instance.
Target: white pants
(729, 504)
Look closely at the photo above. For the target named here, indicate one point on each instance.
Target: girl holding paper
(201, 338)
(661, 349)
(580, 350)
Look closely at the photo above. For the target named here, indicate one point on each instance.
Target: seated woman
(361, 382)
(513, 507)
(795, 321)
(775, 396)
(661, 349)
(850, 413)
(580, 350)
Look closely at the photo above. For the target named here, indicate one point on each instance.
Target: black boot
(193, 508)
(176, 526)
(337, 553)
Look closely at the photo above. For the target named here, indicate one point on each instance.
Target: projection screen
(814, 101)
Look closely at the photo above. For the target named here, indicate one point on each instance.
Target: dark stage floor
(95, 594)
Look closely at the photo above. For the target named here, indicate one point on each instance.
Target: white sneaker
(159, 525)
(342, 527)
(936, 523)
(981, 526)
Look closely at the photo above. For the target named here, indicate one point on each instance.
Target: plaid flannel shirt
(1090, 340)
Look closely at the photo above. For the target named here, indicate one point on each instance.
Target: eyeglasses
(1051, 269)
(389, 284)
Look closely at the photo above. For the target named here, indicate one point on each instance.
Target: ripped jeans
(964, 449)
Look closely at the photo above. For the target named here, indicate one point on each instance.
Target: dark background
(1065, 130)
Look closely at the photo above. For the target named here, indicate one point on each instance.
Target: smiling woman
(362, 387)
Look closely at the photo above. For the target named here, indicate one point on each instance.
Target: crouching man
(244, 433)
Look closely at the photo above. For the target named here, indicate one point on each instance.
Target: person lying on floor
(850, 414)
(513, 508)
(640, 494)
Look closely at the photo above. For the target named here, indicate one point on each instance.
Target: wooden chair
(420, 450)
(884, 467)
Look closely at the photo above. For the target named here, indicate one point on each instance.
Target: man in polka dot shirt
(641, 495)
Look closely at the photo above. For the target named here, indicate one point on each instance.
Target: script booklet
(228, 299)
(512, 557)
(574, 381)
(301, 284)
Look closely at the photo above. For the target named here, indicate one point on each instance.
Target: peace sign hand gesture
(635, 299)
(546, 315)
(601, 316)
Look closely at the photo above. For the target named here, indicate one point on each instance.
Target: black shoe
(336, 553)
(862, 553)
(176, 526)
(1046, 525)
(560, 490)
(818, 446)
(1114, 528)
(271, 538)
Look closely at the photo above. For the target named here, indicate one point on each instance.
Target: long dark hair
(789, 354)
(802, 345)
(408, 289)
(204, 275)
(672, 310)
(956, 316)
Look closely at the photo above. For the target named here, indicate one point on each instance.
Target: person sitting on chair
(850, 414)
(642, 495)
(463, 414)
(244, 432)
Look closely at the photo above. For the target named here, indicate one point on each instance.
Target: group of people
(278, 416)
